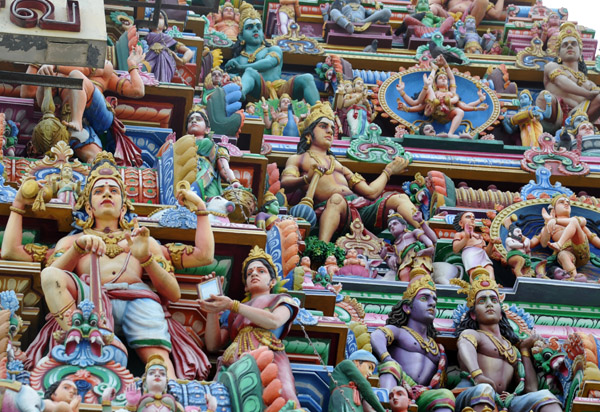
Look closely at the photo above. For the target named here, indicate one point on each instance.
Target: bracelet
(17, 210)
(234, 180)
(525, 353)
(387, 174)
(202, 212)
(132, 68)
(235, 306)
(147, 262)
(106, 402)
(305, 178)
(403, 93)
(476, 373)
(384, 355)
(78, 248)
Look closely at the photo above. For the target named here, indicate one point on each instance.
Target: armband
(555, 73)
(37, 252)
(291, 171)
(176, 251)
(389, 335)
(355, 179)
(165, 263)
(274, 54)
(472, 339)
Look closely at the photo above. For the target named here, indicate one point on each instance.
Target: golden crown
(155, 360)
(197, 108)
(481, 282)
(318, 111)
(527, 92)
(568, 29)
(247, 11)
(103, 167)
(269, 197)
(416, 284)
(257, 253)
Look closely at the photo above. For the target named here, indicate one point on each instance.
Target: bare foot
(557, 247)
(73, 126)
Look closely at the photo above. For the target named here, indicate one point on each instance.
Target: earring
(559, 60)
(87, 223)
(242, 42)
(308, 140)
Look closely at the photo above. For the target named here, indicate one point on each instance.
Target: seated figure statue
(124, 252)
(341, 196)
(480, 9)
(259, 64)
(497, 365)
(352, 14)
(410, 356)
(567, 80)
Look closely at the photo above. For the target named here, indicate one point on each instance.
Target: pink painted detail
(22, 14)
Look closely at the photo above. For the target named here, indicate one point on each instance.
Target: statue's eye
(93, 322)
(546, 355)
(76, 322)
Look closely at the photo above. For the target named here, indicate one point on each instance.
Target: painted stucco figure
(528, 118)
(352, 16)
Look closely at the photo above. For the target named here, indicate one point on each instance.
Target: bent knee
(76, 74)
(53, 278)
(336, 200)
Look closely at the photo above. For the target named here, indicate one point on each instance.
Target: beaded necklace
(252, 56)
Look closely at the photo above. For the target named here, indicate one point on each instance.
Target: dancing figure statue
(439, 98)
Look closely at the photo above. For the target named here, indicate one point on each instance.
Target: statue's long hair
(303, 145)
(398, 317)
(505, 329)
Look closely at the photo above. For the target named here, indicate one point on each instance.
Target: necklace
(581, 78)
(252, 57)
(429, 346)
(316, 159)
(507, 353)
(111, 240)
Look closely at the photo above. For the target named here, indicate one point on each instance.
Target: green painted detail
(302, 346)
(222, 266)
(242, 379)
(107, 377)
(29, 236)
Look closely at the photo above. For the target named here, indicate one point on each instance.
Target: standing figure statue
(352, 14)
(518, 247)
(66, 189)
(360, 113)
(341, 196)
(497, 365)
(567, 80)
(568, 236)
(259, 64)
(412, 252)
(162, 54)
(85, 112)
(528, 119)
(350, 389)
(474, 251)
(263, 320)
(287, 12)
(410, 356)
(124, 254)
(439, 98)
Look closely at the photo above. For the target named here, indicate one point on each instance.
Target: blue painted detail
(149, 139)
(351, 344)
(179, 217)
(83, 357)
(371, 76)
(273, 247)
(193, 393)
(312, 385)
(304, 317)
(543, 185)
(8, 300)
(166, 177)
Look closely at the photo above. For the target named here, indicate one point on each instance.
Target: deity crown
(268, 197)
(416, 284)
(155, 360)
(257, 253)
(103, 167)
(481, 282)
(196, 109)
(568, 29)
(247, 11)
(318, 111)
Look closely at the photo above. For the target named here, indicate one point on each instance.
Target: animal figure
(16, 396)
(219, 209)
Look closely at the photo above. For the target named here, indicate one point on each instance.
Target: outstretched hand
(397, 166)
(136, 56)
(189, 199)
(216, 304)
(138, 240)
(132, 395)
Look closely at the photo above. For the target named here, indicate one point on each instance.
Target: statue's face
(553, 20)
(323, 134)
(396, 228)
(66, 173)
(467, 221)
(358, 85)
(305, 261)
(562, 207)
(487, 308)
(524, 100)
(422, 5)
(428, 130)
(585, 129)
(517, 233)
(284, 104)
(423, 306)
(65, 392)
(258, 278)
(273, 207)
(441, 80)
(106, 199)
(156, 379)
(252, 33)
(217, 77)
(569, 49)
(161, 23)
(348, 87)
(470, 24)
(196, 125)
(331, 260)
(399, 398)
(366, 368)
(228, 13)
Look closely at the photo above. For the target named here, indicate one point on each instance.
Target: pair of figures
(439, 98)
(354, 109)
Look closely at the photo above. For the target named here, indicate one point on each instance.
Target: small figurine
(350, 389)
(282, 122)
(473, 248)
(11, 132)
(66, 189)
(332, 266)
(439, 98)
(265, 319)
(499, 365)
(528, 118)
(427, 129)
(268, 212)
(62, 396)
(412, 251)
(226, 21)
(548, 31)
(471, 42)
(162, 54)
(519, 251)
(351, 13)
(359, 114)
(567, 236)
(287, 12)
(307, 272)
(479, 9)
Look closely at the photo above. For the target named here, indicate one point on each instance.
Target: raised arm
(132, 87)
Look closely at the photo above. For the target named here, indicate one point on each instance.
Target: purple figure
(409, 354)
